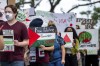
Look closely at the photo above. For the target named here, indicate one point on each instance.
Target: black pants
(91, 59)
(38, 64)
(71, 60)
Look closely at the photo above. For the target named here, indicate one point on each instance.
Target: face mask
(9, 16)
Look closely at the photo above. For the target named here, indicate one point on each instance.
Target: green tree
(96, 15)
(88, 12)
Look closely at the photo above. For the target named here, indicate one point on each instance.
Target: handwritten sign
(87, 23)
(61, 20)
(89, 40)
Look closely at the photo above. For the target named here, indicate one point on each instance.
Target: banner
(89, 40)
(61, 20)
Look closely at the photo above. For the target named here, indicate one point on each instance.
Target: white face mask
(9, 16)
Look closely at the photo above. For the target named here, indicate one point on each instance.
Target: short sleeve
(1, 26)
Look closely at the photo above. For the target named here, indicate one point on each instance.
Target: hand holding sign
(16, 43)
(42, 47)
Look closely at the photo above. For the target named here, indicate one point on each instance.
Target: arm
(1, 42)
(63, 54)
(76, 44)
(47, 48)
(24, 43)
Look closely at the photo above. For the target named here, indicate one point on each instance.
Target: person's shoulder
(20, 23)
(2, 23)
(60, 37)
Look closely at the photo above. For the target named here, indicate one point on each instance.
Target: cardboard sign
(46, 36)
(89, 40)
(8, 36)
(68, 38)
(21, 16)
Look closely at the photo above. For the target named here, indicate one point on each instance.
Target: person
(99, 55)
(1, 41)
(91, 60)
(1, 15)
(57, 51)
(21, 39)
(83, 54)
(71, 53)
(40, 60)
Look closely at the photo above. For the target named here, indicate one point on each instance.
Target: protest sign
(8, 36)
(89, 40)
(46, 36)
(68, 38)
(61, 20)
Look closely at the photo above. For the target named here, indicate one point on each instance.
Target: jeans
(56, 63)
(13, 63)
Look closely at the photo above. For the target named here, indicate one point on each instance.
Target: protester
(71, 53)
(21, 39)
(1, 41)
(36, 59)
(91, 60)
(57, 54)
(83, 54)
(99, 55)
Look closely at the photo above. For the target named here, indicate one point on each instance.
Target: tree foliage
(96, 15)
(82, 5)
(32, 2)
(88, 12)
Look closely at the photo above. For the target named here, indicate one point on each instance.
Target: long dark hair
(75, 36)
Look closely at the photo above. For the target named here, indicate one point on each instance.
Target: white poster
(68, 38)
(61, 20)
(8, 37)
(89, 40)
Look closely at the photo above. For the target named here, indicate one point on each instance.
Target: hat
(1, 14)
(36, 22)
